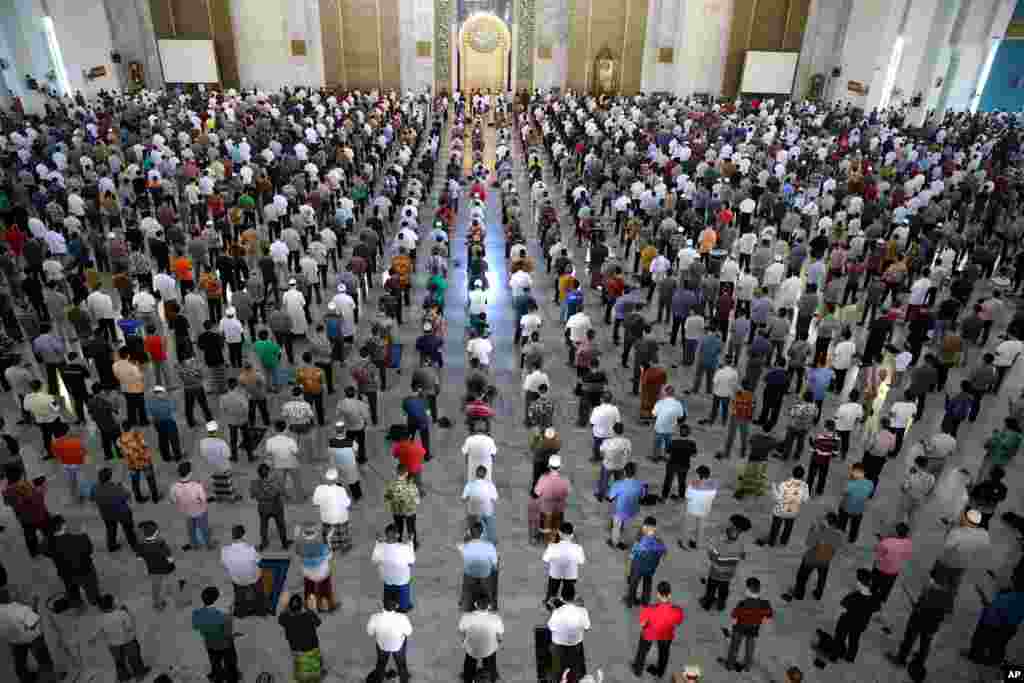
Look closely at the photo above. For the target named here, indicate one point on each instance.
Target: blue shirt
(479, 559)
(776, 378)
(1007, 609)
(710, 350)
(626, 494)
(416, 408)
(819, 380)
(646, 555)
(857, 493)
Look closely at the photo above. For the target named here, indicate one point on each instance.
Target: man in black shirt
(75, 373)
(592, 386)
(679, 452)
(72, 556)
(100, 352)
(212, 345)
(299, 624)
(988, 494)
(858, 607)
(929, 611)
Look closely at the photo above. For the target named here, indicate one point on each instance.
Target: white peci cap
(212, 426)
(555, 461)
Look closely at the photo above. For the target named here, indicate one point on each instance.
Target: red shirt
(69, 450)
(659, 622)
(410, 454)
(154, 346)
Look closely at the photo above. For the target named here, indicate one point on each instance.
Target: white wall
(416, 23)
(821, 50)
(133, 36)
(982, 20)
(83, 34)
(264, 30)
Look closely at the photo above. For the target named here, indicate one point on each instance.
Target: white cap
(111, 235)
(342, 288)
(212, 426)
(331, 306)
(555, 461)
(230, 311)
(159, 390)
(478, 283)
(292, 281)
(973, 516)
(427, 327)
(331, 474)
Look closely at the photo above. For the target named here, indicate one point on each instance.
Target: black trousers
(127, 660)
(39, 651)
(785, 524)
(32, 537)
(278, 518)
(192, 397)
(371, 400)
(126, 523)
(235, 354)
(224, 665)
(471, 664)
(644, 646)
(135, 406)
(75, 584)
(854, 521)
(260, 403)
(846, 640)
(674, 474)
(716, 593)
(988, 643)
(568, 657)
(770, 410)
(317, 400)
(359, 436)
(382, 664)
(803, 574)
(817, 473)
(555, 587)
(918, 628)
(408, 522)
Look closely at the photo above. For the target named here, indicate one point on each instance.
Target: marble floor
(435, 652)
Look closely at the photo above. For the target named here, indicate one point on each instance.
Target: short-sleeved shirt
(750, 613)
(660, 621)
(857, 493)
(626, 494)
(410, 454)
(300, 630)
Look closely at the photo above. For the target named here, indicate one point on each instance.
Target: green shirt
(1003, 446)
(268, 352)
(214, 626)
(246, 202)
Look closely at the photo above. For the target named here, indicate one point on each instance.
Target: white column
(701, 46)
(821, 50)
(870, 35)
(979, 23)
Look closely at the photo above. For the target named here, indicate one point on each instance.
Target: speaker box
(837, 72)
(115, 57)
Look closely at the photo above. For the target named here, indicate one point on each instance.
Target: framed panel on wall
(423, 48)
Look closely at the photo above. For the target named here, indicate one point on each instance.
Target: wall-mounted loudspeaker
(836, 72)
(115, 57)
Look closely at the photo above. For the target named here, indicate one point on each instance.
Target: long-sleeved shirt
(725, 556)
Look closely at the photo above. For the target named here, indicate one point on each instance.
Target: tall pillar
(871, 33)
(979, 23)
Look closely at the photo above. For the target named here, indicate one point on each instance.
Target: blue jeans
(661, 443)
(602, 483)
(490, 529)
(403, 593)
(199, 530)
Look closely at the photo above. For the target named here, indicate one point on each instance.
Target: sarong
(273, 577)
(307, 666)
(224, 486)
(338, 536)
(218, 380)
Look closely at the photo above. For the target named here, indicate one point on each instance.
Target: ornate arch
(485, 34)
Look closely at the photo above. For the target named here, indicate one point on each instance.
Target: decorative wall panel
(443, 18)
(526, 22)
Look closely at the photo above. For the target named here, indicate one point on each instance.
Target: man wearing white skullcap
(967, 546)
(333, 501)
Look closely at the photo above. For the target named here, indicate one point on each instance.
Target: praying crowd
(776, 318)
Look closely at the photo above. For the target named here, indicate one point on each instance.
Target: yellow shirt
(647, 255)
(708, 240)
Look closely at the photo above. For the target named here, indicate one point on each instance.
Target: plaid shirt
(402, 496)
(542, 413)
(134, 450)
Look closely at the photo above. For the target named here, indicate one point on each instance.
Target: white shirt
(480, 496)
(568, 623)
(564, 559)
(389, 629)
(578, 324)
(479, 449)
(919, 290)
(530, 323)
(477, 302)
(282, 450)
(603, 419)
(144, 302)
(100, 305)
(901, 413)
(724, 382)
(333, 502)
(167, 286)
(481, 631)
(393, 561)
(847, 416)
(232, 330)
(698, 501)
(242, 562)
(1007, 352)
(842, 355)
(519, 281)
(481, 349)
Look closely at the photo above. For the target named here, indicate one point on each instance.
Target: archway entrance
(484, 44)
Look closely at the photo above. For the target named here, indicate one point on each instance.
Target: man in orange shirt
(708, 239)
(209, 283)
(402, 265)
(183, 271)
(70, 451)
(157, 352)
